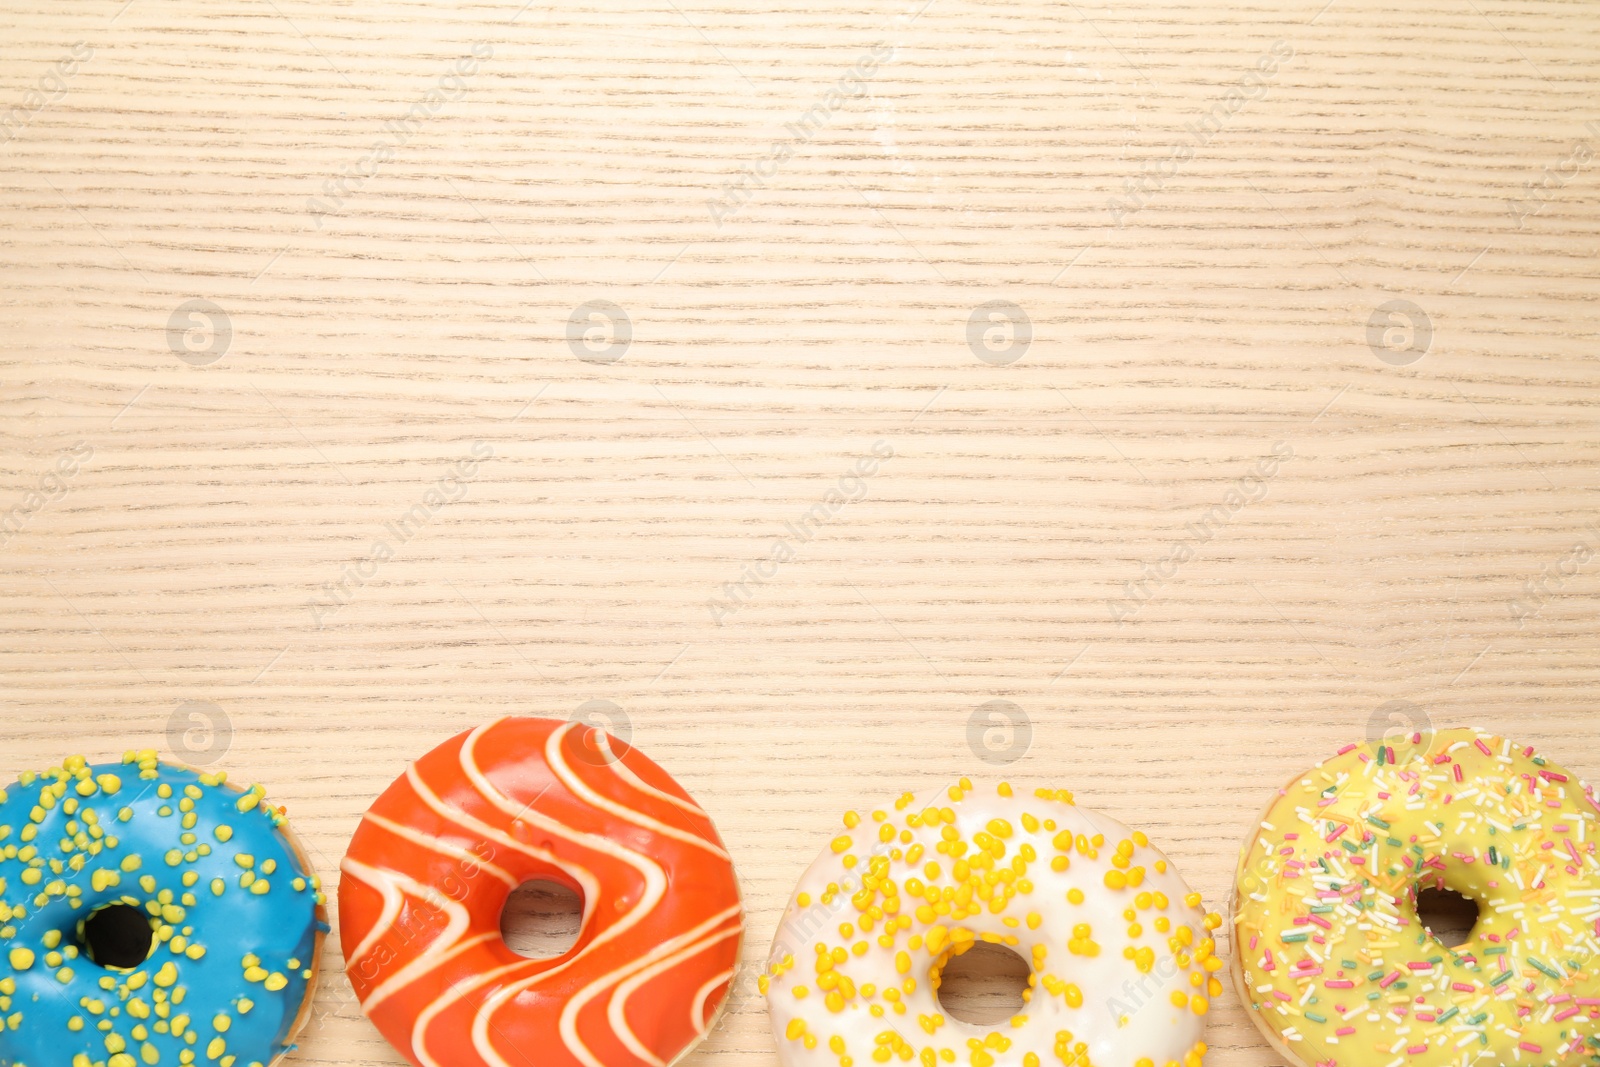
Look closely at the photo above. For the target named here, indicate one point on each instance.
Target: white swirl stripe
(569, 1014)
(391, 908)
(455, 926)
(616, 1013)
(441, 847)
(697, 1007)
(638, 818)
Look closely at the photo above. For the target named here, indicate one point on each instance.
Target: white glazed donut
(1123, 961)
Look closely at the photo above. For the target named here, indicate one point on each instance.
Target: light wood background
(161, 595)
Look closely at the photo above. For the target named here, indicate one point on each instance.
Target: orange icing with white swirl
(432, 864)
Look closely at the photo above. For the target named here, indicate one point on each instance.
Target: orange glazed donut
(436, 857)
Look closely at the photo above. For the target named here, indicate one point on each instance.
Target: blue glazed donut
(103, 864)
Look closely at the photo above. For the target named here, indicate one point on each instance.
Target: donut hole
(983, 986)
(117, 935)
(542, 919)
(1449, 916)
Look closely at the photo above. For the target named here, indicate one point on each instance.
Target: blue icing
(105, 834)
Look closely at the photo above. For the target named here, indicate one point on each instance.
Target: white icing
(1126, 1014)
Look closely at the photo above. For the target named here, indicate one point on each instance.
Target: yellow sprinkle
(21, 959)
(840, 843)
(167, 975)
(131, 862)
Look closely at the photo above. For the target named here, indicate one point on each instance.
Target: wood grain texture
(1052, 525)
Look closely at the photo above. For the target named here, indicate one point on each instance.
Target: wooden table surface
(1209, 385)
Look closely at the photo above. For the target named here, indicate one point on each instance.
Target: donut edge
(738, 949)
(1237, 971)
(727, 999)
(319, 912)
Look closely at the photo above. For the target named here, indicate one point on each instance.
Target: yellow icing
(1331, 954)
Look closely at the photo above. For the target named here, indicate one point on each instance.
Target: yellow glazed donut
(1123, 961)
(1330, 953)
